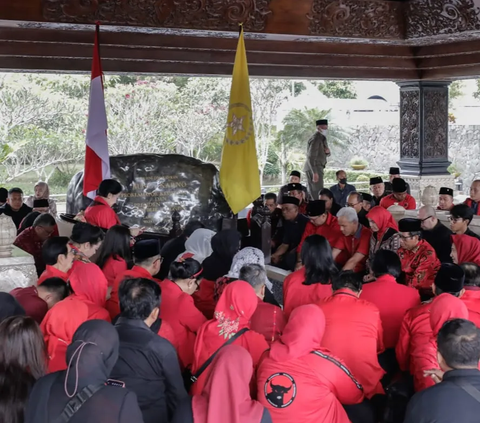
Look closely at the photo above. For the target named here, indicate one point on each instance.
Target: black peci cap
(316, 208)
(146, 248)
(295, 187)
(409, 225)
(394, 171)
(399, 185)
(295, 173)
(446, 191)
(450, 278)
(322, 122)
(290, 200)
(376, 180)
(366, 197)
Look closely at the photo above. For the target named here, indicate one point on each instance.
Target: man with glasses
(460, 217)
(419, 260)
(31, 239)
(355, 201)
(436, 234)
(294, 225)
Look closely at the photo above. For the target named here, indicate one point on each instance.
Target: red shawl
(89, 284)
(468, 248)
(383, 219)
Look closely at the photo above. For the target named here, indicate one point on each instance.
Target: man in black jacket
(14, 207)
(147, 363)
(436, 233)
(456, 397)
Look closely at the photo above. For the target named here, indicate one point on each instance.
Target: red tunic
(52, 272)
(112, 268)
(393, 300)
(177, 308)
(33, 305)
(330, 230)
(30, 242)
(471, 298)
(268, 320)
(354, 334)
(204, 298)
(101, 214)
(414, 334)
(296, 294)
(113, 305)
(420, 266)
(357, 243)
(302, 208)
(296, 385)
(408, 204)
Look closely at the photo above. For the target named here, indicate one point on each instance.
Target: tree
(455, 91)
(297, 129)
(337, 89)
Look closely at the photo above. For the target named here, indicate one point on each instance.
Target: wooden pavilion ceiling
(357, 39)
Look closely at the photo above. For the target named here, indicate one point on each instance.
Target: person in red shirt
(393, 300)
(399, 196)
(58, 257)
(58, 328)
(178, 309)
(268, 319)
(445, 307)
(37, 300)
(465, 249)
(471, 296)
(146, 254)
(31, 240)
(354, 242)
(354, 331)
(232, 314)
(85, 240)
(419, 260)
(312, 282)
(321, 223)
(115, 255)
(299, 380)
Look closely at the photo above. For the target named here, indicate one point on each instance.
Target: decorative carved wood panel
(409, 123)
(435, 123)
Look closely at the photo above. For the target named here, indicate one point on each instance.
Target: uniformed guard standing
(317, 153)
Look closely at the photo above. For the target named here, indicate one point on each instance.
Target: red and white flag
(97, 160)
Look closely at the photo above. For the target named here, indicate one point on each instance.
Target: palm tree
(299, 125)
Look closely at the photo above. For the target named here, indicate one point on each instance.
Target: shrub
(358, 161)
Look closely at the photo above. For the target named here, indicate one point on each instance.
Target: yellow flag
(239, 176)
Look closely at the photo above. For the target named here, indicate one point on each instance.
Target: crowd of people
(378, 320)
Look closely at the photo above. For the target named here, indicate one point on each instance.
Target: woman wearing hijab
(198, 246)
(42, 192)
(299, 381)
(385, 234)
(225, 244)
(312, 282)
(22, 362)
(465, 249)
(91, 357)
(232, 314)
(9, 306)
(178, 308)
(226, 395)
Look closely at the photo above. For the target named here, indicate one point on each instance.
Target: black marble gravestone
(155, 186)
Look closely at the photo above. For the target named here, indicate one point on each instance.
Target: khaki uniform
(316, 162)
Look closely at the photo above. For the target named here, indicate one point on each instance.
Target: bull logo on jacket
(280, 390)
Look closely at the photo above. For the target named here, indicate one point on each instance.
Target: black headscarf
(225, 244)
(9, 306)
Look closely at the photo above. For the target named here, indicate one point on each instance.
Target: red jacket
(101, 214)
(204, 298)
(471, 298)
(113, 305)
(408, 204)
(296, 294)
(296, 385)
(420, 266)
(330, 230)
(357, 243)
(33, 305)
(177, 309)
(30, 242)
(443, 308)
(52, 272)
(393, 300)
(354, 334)
(268, 320)
(415, 332)
(469, 203)
(112, 268)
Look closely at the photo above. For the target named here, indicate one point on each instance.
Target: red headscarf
(468, 248)
(300, 337)
(58, 327)
(446, 307)
(232, 313)
(89, 284)
(383, 219)
(226, 395)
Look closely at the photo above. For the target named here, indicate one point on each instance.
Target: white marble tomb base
(17, 271)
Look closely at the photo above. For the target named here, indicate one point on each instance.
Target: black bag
(76, 403)
(189, 379)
